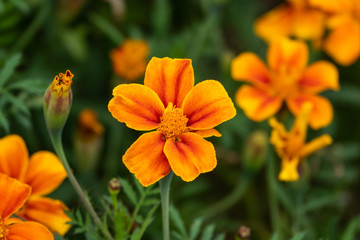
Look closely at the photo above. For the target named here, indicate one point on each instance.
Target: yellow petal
(190, 156)
(316, 144)
(146, 159)
(207, 105)
(309, 24)
(289, 170)
(136, 105)
(28, 231)
(208, 133)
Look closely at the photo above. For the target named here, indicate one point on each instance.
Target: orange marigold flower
(343, 41)
(43, 172)
(287, 78)
(295, 18)
(291, 146)
(129, 59)
(181, 114)
(13, 196)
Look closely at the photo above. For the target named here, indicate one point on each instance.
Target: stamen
(3, 229)
(62, 82)
(173, 123)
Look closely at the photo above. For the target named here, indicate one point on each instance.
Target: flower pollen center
(173, 122)
(3, 230)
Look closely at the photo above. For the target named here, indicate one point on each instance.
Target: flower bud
(244, 232)
(57, 101)
(114, 186)
(255, 150)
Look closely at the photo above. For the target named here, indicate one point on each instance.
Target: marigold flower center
(285, 82)
(62, 83)
(173, 122)
(3, 230)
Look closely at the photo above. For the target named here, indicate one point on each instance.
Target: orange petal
(190, 156)
(287, 56)
(322, 111)
(136, 105)
(249, 67)
(146, 159)
(47, 211)
(13, 195)
(14, 156)
(332, 5)
(320, 76)
(170, 78)
(207, 105)
(257, 104)
(342, 43)
(208, 133)
(28, 231)
(275, 23)
(45, 173)
(309, 24)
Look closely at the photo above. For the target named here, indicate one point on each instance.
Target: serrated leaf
(176, 235)
(220, 237)
(147, 221)
(299, 236)
(129, 191)
(9, 68)
(18, 104)
(138, 185)
(177, 220)
(208, 232)
(195, 228)
(28, 85)
(150, 202)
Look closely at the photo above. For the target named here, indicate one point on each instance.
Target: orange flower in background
(88, 125)
(343, 41)
(291, 146)
(129, 60)
(181, 114)
(295, 18)
(13, 197)
(43, 172)
(286, 79)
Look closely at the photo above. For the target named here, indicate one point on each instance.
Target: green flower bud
(57, 101)
(256, 150)
(114, 186)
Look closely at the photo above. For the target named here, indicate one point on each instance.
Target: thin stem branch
(165, 197)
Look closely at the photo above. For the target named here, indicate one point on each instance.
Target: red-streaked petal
(190, 156)
(146, 159)
(13, 195)
(320, 76)
(14, 156)
(45, 173)
(257, 104)
(136, 105)
(249, 67)
(287, 56)
(28, 231)
(208, 133)
(207, 105)
(47, 211)
(170, 78)
(322, 111)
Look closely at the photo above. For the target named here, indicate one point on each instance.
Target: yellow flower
(286, 79)
(291, 146)
(180, 114)
(129, 60)
(43, 172)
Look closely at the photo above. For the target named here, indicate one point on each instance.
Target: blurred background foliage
(40, 38)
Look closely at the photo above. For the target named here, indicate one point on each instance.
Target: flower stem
(165, 194)
(55, 137)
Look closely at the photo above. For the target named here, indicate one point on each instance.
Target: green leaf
(220, 237)
(208, 232)
(352, 229)
(4, 123)
(129, 191)
(110, 30)
(299, 236)
(195, 228)
(9, 68)
(138, 185)
(28, 85)
(17, 104)
(177, 220)
(147, 220)
(150, 202)
(275, 236)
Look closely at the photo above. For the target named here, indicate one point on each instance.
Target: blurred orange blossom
(13, 196)
(181, 114)
(43, 172)
(287, 78)
(291, 146)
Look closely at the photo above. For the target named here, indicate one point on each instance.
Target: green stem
(55, 137)
(165, 197)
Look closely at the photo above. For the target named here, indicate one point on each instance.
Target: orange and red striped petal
(249, 67)
(319, 76)
(342, 44)
(136, 105)
(322, 111)
(14, 156)
(170, 78)
(47, 211)
(190, 156)
(257, 104)
(28, 231)
(208, 133)
(207, 105)
(146, 159)
(45, 173)
(287, 56)
(13, 195)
